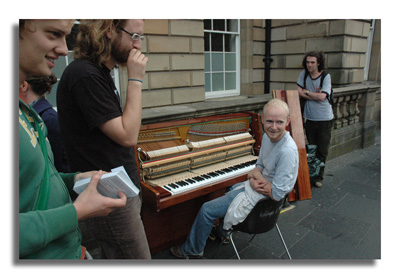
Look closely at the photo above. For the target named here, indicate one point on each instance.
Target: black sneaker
(177, 252)
(226, 240)
(214, 235)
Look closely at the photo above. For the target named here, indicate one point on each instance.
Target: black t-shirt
(87, 98)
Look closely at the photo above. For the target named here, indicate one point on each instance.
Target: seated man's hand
(261, 186)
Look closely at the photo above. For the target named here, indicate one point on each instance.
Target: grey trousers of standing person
(121, 234)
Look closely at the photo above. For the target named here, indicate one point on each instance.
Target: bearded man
(96, 132)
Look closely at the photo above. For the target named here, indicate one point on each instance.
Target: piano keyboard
(185, 181)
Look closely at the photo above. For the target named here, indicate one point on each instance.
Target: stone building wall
(344, 43)
(175, 71)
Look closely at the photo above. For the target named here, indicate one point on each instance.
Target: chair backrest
(262, 217)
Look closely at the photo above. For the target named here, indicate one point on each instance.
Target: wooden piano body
(168, 217)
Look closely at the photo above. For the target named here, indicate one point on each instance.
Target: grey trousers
(121, 234)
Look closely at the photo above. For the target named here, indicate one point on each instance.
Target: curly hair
(40, 85)
(320, 59)
(92, 42)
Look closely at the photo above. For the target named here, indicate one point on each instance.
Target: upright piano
(185, 163)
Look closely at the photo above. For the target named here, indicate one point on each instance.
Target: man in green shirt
(48, 220)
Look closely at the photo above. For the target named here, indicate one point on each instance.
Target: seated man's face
(275, 121)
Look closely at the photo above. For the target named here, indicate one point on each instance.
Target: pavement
(342, 221)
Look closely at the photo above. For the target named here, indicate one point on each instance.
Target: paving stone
(359, 208)
(336, 227)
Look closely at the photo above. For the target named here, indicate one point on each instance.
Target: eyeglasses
(134, 36)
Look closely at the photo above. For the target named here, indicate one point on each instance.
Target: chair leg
(283, 241)
(233, 244)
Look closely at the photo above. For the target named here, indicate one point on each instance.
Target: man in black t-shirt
(96, 132)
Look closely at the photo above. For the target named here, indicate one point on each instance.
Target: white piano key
(179, 187)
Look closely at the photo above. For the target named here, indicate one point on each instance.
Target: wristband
(133, 79)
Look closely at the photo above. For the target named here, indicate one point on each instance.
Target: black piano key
(174, 186)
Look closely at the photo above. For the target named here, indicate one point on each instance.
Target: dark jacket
(50, 118)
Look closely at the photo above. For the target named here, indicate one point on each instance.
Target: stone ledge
(357, 87)
(206, 108)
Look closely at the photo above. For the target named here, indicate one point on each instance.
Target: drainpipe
(267, 58)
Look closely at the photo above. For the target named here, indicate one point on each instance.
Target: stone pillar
(366, 107)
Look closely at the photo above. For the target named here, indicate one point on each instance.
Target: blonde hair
(277, 103)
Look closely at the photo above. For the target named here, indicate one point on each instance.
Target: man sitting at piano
(274, 176)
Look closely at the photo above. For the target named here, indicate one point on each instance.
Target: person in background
(48, 220)
(97, 132)
(33, 91)
(317, 109)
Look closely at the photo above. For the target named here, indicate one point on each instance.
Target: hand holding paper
(91, 204)
(111, 184)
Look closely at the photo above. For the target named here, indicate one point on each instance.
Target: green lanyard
(44, 190)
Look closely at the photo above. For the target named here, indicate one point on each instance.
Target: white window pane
(70, 56)
(217, 62)
(207, 62)
(60, 65)
(52, 96)
(232, 25)
(217, 81)
(230, 81)
(230, 61)
(208, 82)
(230, 43)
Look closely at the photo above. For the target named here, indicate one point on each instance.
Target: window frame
(224, 92)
